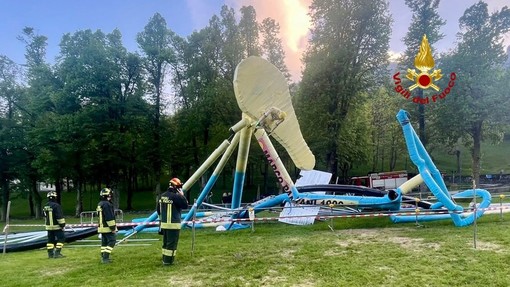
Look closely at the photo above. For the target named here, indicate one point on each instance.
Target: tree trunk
(393, 158)
(332, 161)
(383, 154)
(31, 205)
(375, 158)
(5, 199)
(457, 154)
(475, 153)
(131, 177)
(58, 189)
(344, 168)
(36, 198)
(157, 135)
(79, 198)
(421, 119)
(130, 187)
(116, 193)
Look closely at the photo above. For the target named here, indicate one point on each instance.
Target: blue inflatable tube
(434, 181)
(151, 218)
(199, 214)
(145, 230)
(419, 218)
(267, 203)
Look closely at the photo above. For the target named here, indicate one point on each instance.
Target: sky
(54, 18)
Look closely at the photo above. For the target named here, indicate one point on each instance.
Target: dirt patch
(489, 246)
(383, 236)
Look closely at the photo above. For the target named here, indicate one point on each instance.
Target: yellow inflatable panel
(260, 86)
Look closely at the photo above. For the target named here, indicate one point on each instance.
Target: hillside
(495, 158)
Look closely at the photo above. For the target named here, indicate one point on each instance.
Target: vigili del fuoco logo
(423, 79)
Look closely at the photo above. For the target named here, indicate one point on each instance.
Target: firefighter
(55, 223)
(107, 227)
(170, 205)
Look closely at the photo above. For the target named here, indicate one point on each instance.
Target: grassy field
(356, 252)
(142, 201)
(494, 159)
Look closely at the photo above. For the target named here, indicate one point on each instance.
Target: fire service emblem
(424, 78)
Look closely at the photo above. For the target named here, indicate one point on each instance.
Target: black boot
(50, 253)
(58, 254)
(106, 258)
(168, 260)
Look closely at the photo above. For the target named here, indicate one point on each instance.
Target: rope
(319, 217)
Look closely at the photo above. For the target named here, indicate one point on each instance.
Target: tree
(477, 106)
(99, 119)
(11, 143)
(387, 140)
(425, 21)
(272, 45)
(155, 44)
(249, 31)
(346, 55)
(355, 140)
(42, 84)
(80, 122)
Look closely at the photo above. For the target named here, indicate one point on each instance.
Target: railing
(88, 216)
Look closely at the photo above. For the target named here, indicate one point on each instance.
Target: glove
(62, 225)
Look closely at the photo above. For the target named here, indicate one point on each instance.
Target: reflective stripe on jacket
(169, 208)
(106, 214)
(54, 217)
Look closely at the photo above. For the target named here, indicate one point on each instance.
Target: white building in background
(46, 187)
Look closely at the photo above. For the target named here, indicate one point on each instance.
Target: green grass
(142, 201)
(494, 159)
(359, 252)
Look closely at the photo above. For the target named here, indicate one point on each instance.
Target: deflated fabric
(260, 87)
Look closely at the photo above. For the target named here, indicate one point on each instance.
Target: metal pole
(193, 228)
(126, 238)
(417, 211)
(6, 228)
(331, 218)
(501, 196)
(474, 222)
(251, 215)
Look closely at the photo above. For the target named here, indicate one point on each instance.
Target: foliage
(272, 45)
(425, 21)
(155, 43)
(476, 109)
(12, 153)
(348, 48)
(249, 31)
(386, 134)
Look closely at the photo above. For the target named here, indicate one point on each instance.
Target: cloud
(394, 56)
(295, 24)
(294, 21)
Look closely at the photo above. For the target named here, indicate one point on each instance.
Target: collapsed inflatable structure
(263, 96)
(430, 175)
